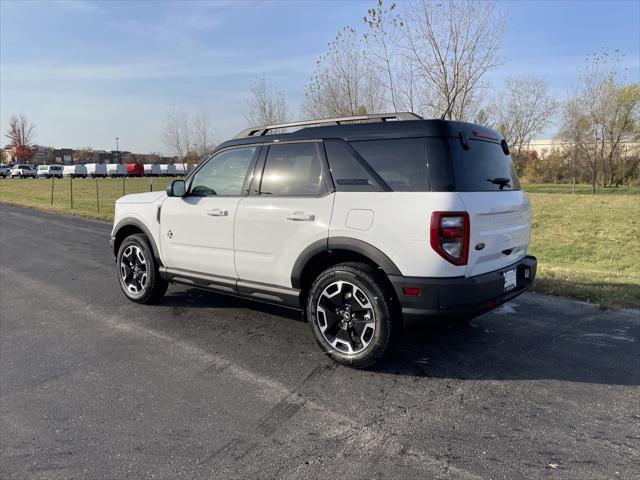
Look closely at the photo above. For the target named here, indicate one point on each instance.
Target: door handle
(216, 212)
(301, 217)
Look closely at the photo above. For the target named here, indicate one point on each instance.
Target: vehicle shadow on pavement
(493, 348)
(527, 346)
(196, 298)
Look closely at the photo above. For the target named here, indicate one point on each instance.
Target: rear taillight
(450, 236)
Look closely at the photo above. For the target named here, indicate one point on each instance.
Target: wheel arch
(131, 226)
(323, 254)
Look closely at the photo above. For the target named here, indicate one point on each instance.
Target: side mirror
(177, 188)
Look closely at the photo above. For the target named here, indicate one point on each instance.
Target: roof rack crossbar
(381, 117)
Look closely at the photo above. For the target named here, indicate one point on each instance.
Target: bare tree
(177, 132)
(522, 110)
(345, 82)
(21, 134)
(600, 117)
(203, 133)
(383, 43)
(267, 105)
(452, 45)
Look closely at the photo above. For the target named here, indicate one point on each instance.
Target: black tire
(153, 287)
(364, 347)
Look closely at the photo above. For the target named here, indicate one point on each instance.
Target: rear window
(402, 163)
(482, 168)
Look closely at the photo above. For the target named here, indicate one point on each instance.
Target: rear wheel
(350, 314)
(138, 271)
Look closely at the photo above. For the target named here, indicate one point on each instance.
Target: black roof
(376, 131)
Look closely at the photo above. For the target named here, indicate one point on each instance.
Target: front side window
(293, 169)
(224, 174)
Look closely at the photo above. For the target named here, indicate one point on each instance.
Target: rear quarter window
(402, 163)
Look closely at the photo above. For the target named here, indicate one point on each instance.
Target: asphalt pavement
(208, 386)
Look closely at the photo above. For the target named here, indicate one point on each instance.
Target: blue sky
(86, 72)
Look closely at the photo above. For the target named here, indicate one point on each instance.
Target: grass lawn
(588, 246)
(37, 193)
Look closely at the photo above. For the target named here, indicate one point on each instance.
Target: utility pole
(118, 150)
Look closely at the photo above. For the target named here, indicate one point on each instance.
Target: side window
(349, 174)
(223, 174)
(402, 162)
(293, 169)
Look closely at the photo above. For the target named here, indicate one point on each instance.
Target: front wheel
(138, 271)
(349, 313)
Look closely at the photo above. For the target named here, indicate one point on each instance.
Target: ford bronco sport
(358, 221)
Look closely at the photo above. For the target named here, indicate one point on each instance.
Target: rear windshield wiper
(502, 181)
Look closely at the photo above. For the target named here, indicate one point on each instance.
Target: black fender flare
(133, 222)
(341, 243)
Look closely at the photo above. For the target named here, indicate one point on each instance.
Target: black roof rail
(378, 117)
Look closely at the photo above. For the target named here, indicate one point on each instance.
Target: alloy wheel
(346, 317)
(133, 269)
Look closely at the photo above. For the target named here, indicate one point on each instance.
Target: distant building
(63, 156)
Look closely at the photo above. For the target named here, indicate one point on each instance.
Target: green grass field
(588, 246)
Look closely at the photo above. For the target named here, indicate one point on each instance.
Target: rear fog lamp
(411, 291)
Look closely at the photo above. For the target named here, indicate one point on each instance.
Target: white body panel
(167, 170)
(181, 169)
(197, 234)
(142, 207)
(116, 169)
(271, 232)
(96, 169)
(151, 169)
(49, 171)
(74, 171)
(502, 222)
(22, 171)
(400, 227)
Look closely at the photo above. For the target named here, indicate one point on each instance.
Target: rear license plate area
(510, 280)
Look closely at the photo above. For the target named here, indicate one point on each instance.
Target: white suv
(358, 221)
(22, 171)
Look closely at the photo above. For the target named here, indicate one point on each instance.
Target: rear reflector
(449, 236)
(411, 291)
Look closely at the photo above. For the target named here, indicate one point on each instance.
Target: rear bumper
(461, 295)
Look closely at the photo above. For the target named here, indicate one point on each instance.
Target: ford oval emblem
(480, 246)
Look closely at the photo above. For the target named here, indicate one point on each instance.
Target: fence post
(53, 179)
(123, 177)
(97, 196)
(71, 188)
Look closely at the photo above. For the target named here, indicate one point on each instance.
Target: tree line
(433, 58)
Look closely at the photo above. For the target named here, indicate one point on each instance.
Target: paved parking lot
(206, 386)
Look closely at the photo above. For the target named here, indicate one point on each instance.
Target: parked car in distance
(116, 170)
(74, 171)
(151, 170)
(135, 169)
(22, 170)
(4, 170)
(48, 171)
(168, 170)
(344, 219)
(181, 169)
(95, 170)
